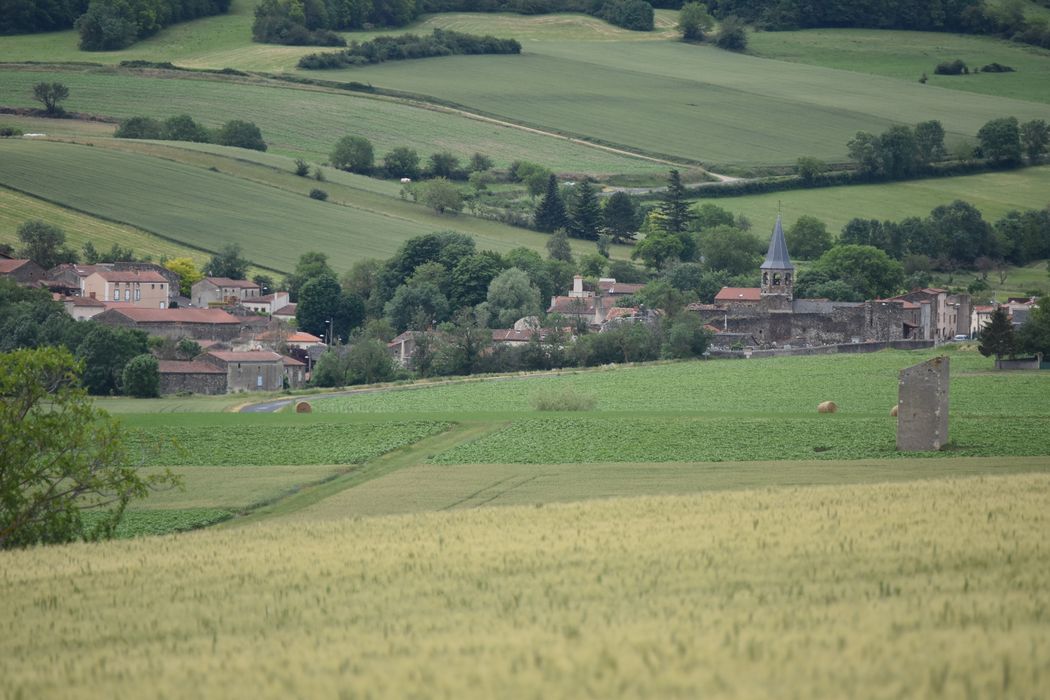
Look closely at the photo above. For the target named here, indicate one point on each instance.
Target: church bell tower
(778, 274)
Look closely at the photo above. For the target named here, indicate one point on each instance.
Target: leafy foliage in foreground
(571, 439)
(265, 444)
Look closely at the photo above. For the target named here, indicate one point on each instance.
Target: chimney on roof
(577, 286)
(92, 295)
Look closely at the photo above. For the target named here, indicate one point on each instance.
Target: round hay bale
(827, 407)
(893, 411)
(303, 407)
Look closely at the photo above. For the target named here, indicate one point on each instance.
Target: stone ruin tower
(778, 274)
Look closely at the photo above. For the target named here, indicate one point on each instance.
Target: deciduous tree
(44, 244)
(694, 20)
(49, 95)
(353, 153)
(60, 456)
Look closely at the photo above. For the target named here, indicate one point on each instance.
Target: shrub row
(237, 133)
(410, 46)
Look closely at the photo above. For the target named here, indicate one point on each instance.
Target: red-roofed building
(199, 324)
(25, 272)
(747, 296)
(254, 370)
(285, 313)
(222, 290)
(141, 288)
(82, 308)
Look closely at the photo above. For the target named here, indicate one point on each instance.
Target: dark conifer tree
(550, 214)
(674, 206)
(586, 216)
(997, 338)
(620, 217)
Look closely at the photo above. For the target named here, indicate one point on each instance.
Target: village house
(403, 349)
(69, 277)
(286, 313)
(267, 304)
(25, 272)
(219, 291)
(191, 377)
(81, 308)
(198, 324)
(144, 289)
(255, 370)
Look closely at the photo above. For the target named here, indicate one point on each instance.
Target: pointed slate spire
(777, 257)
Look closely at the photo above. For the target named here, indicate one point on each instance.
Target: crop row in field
(261, 443)
(565, 440)
(859, 384)
(302, 121)
(434, 487)
(928, 588)
(204, 209)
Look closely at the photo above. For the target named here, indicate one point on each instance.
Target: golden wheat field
(923, 589)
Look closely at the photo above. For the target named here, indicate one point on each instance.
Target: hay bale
(893, 411)
(303, 407)
(827, 407)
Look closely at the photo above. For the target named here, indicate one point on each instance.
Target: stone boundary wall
(828, 349)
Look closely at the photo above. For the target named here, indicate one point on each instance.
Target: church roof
(777, 257)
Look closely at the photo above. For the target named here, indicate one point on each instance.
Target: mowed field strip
(203, 209)
(922, 589)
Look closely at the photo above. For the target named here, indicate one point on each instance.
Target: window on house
(116, 294)
(138, 294)
(127, 295)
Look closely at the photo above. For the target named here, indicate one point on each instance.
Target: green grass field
(690, 101)
(907, 55)
(993, 193)
(303, 121)
(190, 204)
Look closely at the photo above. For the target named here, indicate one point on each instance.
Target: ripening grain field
(926, 589)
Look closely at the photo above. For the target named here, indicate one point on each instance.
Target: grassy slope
(733, 594)
(907, 55)
(153, 195)
(300, 121)
(993, 193)
(692, 101)
(17, 208)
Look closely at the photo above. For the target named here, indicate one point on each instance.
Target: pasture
(993, 193)
(307, 121)
(188, 204)
(925, 588)
(907, 55)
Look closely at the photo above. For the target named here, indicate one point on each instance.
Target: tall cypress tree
(586, 216)
(550, 214)
(674, 207)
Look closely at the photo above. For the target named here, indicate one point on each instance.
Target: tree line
(963, 16)
(440, 42)
(236, 132)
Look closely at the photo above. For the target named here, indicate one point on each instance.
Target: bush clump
(956, 67)
(562, 399)
(319, 194)
(410, 46)
(996, 68)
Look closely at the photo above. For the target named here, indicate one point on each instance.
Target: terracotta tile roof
(287, 310)
(190, 367)
(619, 311)
(403, 338)
(303, 337)
(572, 305)
(739, 294)
(985, 309)
(509, 335)
(246, 356)
(9, 266)
(179, 315)
(614, 287)
(227, 282)
(81, 301)
(131, 276)
(292, 362)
